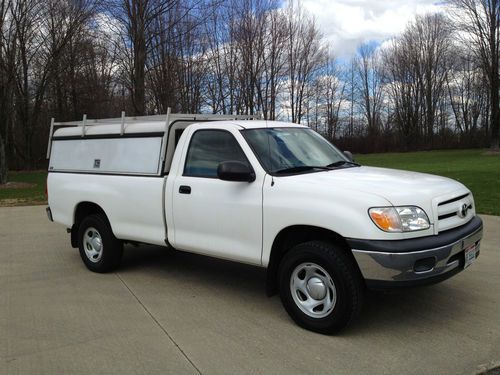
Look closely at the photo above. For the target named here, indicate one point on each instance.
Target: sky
(347, 23)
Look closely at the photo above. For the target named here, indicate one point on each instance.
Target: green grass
(34, 194)
(476, 169)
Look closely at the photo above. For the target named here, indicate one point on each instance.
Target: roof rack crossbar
(173, 116)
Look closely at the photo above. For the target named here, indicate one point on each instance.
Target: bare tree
(352, 92)
(329, 91)
(246, 50)
(274, 62)
(62, 58)
(305, 54)
(138, 18)
(434, 41)
(370, 87)
(415, 69)
(222, 56)
(39, 31)
(467, 96)
(248, 36)
(7, 68)
(480, 19)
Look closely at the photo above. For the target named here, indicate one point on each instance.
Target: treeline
(435, 85)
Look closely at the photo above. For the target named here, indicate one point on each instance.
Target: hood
(397, 186)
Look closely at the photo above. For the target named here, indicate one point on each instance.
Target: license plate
(470, 255)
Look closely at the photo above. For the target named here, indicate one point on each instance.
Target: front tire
(99, 249)
(320, 287)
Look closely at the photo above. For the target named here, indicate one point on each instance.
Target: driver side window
(207, 149)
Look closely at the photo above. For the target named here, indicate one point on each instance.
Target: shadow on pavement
(432, 306)
(187, 267)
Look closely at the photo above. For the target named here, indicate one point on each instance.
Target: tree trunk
(495, 110)
(495, 119)
(139, 75)
(3, 162)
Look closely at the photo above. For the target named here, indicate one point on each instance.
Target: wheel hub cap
(313, 290)
(316, 288)
(97, 244)
(92, 244)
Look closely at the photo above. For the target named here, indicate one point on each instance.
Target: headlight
(399, 219)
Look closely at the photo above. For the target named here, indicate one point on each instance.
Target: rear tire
(99, 249)
(320, 287)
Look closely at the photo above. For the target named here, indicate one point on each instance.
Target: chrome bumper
(392, 269)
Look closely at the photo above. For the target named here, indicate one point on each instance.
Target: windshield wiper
(343, 162)
(305, 168)
(302, 168)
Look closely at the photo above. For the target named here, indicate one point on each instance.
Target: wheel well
(292, 236)
(83, 209)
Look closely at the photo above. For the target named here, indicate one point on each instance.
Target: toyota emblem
(463, 210)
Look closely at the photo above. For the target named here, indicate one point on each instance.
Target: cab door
(211, 216)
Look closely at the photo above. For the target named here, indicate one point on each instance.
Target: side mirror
(349, 155)
(235, 171)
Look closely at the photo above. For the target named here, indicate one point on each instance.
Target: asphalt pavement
(168, 312)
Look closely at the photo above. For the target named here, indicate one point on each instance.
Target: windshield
(294, 150)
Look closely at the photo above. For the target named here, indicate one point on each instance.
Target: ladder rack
(160, 118)
(167, 118)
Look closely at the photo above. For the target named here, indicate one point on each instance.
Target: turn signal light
(386, 218)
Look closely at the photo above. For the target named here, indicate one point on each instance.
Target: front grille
(446, 216)
(453, 199)
(451, 211)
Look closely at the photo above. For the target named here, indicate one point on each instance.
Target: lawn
(477, 169)
(24, 188)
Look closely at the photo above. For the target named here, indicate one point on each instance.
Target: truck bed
(133, 204)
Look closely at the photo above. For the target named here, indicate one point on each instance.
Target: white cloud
(347, 23)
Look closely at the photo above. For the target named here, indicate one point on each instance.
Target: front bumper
(389, 264)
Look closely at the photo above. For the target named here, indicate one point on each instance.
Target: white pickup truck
(270, 194)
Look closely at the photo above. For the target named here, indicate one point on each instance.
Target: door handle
(183, 189)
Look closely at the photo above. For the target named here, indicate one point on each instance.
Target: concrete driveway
(168, 312)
